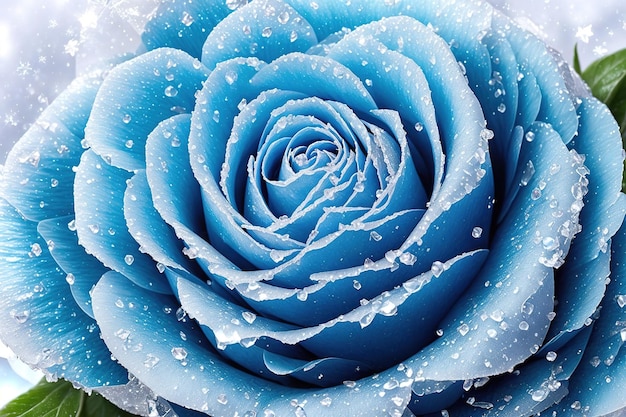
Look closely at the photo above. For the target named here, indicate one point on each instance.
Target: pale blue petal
(397, 82)
(155, 237)
(135, 97)
(316, 76)
(264, 29)
(183, 24)
(597, 386)
(83, 270)
(581, 282)
(557, 101)
(99, 195)
(38, 178)
(527, 391)
(40, 320)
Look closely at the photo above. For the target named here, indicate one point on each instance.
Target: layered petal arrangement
(329, 208)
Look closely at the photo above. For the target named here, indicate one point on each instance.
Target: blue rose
(322, 208)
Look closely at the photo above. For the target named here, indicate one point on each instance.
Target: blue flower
(323, 208)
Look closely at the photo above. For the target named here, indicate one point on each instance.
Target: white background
(40, 42)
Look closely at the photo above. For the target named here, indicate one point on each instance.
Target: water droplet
(248, 316)
(437, 268)
(356, 284)
(20, 316)
(181, 314)
(70, 278)
(388, 308)
(266, 32)
(187, 19)
(528, 173)
(235, 4)
(407, 258)
(366, 320)
(540, 394)
(35, 250)
(549, 243)
(529, 136)
(171, 91)
(293, 36)
(326, 401)
(375, 236)
(150, 361)
(463, 329)
(122, 334)
(477, 232)
(129, 259)
(418, 126)
(179, 353)
(501, 107)
(94, 228)
(283, 17)
(551, 356)
(349, 384)
(230, 77)
(126, 118)
(222, 399)
(216, 116)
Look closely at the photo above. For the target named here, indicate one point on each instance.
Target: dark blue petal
(248, 128)
(130, 317)
(101, 226)
(371, 333)
(40, 320)
(184, 24)
(38, 178)
(83, 270)
(325, 372)
(397, 82)
(264, 29)
(135, 97)
(505, 315)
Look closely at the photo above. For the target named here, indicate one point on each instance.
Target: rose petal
(557, 106)
(204, 382)
(363, 335)
(101, 226)
(83, 270)
(581, 281)
(135, 97)
(154, 236)
(41, 179)
(527, 391)
(183, 24)
(62, 340)
(389, 71)
(595, 387)
(513, 294)
(264, 29)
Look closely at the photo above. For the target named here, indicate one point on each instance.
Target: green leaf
(576, 60)
(606, 77)
(60, 399)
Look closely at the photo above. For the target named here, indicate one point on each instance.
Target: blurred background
(43, 45)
